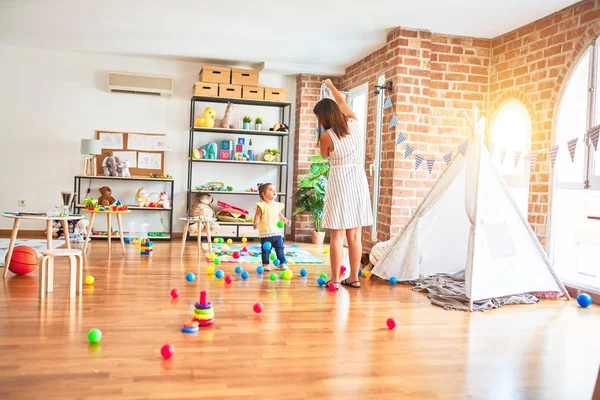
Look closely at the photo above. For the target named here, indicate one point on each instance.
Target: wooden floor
(307, 343)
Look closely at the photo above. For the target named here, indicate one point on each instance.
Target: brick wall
(532, 64)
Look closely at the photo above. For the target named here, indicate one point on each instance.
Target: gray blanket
(448, 291)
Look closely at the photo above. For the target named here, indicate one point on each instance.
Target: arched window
(511, 130)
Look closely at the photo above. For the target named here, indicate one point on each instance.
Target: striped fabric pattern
(347, 197)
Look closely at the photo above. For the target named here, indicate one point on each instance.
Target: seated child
(268, 213)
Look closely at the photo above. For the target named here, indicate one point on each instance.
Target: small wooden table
(108, 232)
(200, 222)
(17, 220)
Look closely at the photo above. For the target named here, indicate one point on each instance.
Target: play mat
(294, 253)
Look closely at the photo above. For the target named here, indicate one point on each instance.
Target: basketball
(24, 260)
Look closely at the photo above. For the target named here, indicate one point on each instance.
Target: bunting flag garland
(430, 162)
(400, 139)
(572, 144)
(387, 103)
(418, 161)
(532, 159)
(408, 151)
(593, 134)
(517, 157)
(463, 147)
(553, 150)
(448, 158)
(393, 122)
(502, 154)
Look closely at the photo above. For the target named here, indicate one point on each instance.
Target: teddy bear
(141, 197)
(109, 165)
(164, 200)
(105, 198)
(208, 120)
(228, 117)
(201, 208)
(124, 169)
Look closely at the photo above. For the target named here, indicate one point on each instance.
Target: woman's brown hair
(331, 117)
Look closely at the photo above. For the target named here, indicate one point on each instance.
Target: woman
(347, 203)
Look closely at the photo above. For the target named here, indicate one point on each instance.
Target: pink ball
(228, 279)
(391, 323)
(258, 307)
(235, 255)
(244, 249)
(331, 287)
(167, 351)
(174, 293)
(343, 269)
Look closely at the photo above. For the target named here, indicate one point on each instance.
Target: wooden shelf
(135, 208)
(232, 192)
(250, 132)
(133, 178)
(276, 164)
(247, 102)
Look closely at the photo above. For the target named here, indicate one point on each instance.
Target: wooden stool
(47, 270)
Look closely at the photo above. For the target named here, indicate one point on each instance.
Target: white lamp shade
(91, 146)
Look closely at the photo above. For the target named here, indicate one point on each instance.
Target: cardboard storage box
(214, 74)
(253, 92)
(231, 91)
(275, 94)
(206, 89)
(244, 77)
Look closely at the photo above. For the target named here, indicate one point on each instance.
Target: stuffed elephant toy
(110, 166)
(210, 151)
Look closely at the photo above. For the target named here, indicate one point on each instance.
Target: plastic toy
(326, 250)
(219, 274)
(210, 270)
(174, 293)
(203, 311)
(303, 272)
(323, 275)
(391, 323)
(216, 261)
(259, 269)
(276, 262)
(266, 246)
(245, 275)
(280, 224)
(89, 280)
(331, 287)
(208, 120)
(228, 279)
(235, 254)
(146, 247)
(258, 307)
(238, 270)
(24, 260)
(393, 280)
(95, 335)
(273, 276)
(229, 241)
(190, 277)
(244, 240)
(161, 176)
(584, 300)
(288, 274)
(320, 281)
(167, 351)
(342, 269)
(190, 327)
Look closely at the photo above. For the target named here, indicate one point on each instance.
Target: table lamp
(90, 147)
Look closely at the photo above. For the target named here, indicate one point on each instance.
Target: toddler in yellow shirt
(268, 214)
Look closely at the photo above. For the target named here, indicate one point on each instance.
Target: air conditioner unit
(140, 84)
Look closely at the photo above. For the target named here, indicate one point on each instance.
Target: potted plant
(311, 196)
(258, 123)
(246, 122)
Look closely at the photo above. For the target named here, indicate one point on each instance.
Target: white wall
(50, 100)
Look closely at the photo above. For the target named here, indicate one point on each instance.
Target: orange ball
(24, 260)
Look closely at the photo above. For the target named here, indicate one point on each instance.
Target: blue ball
(276, 263)
(244, 275)
(584, 300)
(266, 246)
(238, 270)
(321, 281)
(219, 274)
(393, 280)
(360, 272)
(259, 269)
(190, 277)
(303, 272)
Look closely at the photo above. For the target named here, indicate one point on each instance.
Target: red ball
(331, 287)
(342, 270)
(258, 307)
(24, 260)
(174, 293)
(244, 249)
(167, 351)
(228, 279)
(391, 323)
(235, 255)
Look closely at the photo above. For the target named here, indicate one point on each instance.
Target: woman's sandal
(337, 284)
(351, 284)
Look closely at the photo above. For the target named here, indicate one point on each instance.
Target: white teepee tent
(469, 221)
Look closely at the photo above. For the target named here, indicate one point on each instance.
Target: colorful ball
(235, 255)
(167, 351)
(221, 240)
(288, 274)
(280, 224)
(216, 240)
(342, 269)
(190, 277)
(216, 261)
(238, 270)
(360, 272)
(244, 249)
(584, 300)
(95, 336)
(210, 270)
(273, 276)
(323, 275)
(303, 272)
(174, 293)
(211, 256)
(276, 262)
(259, 269)
(393, 280)
(89, 280)
(219, 274)
(244, 240)
(321, 281)
(24, 260)
(267, 246)
(229, 241)
(331, 287)
(391, 323)
(326, 250)
(245, 275)
(258, 307)
(272, 257)
(228, 279)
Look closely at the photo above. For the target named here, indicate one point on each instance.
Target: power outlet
(21, 203)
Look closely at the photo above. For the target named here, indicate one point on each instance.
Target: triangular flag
(463, 147)
(430, 162)
(400, 139)
(532, 159)
(492, 147)
(553, 151)
(593, 134)
(393, 122)
(418, 161)
(517, 157)
(408, 151)
(387, 103)
(448, 158)
(502, 154)
(572, 144)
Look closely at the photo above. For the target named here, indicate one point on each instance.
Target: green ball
(221, 240)
(282, 275)
(95, 335)
(323, 275)
(280, 224)
(216, 261)
(272, 257)
(273, 276)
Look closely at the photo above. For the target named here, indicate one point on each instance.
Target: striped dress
(347, 199)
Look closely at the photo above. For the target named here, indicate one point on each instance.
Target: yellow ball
(244, 240)
(215, 240)
(89, 280)
(229, 241)
(210, 270)
(211, 256)
(366, 273)
(326, 250)
(288, 274)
